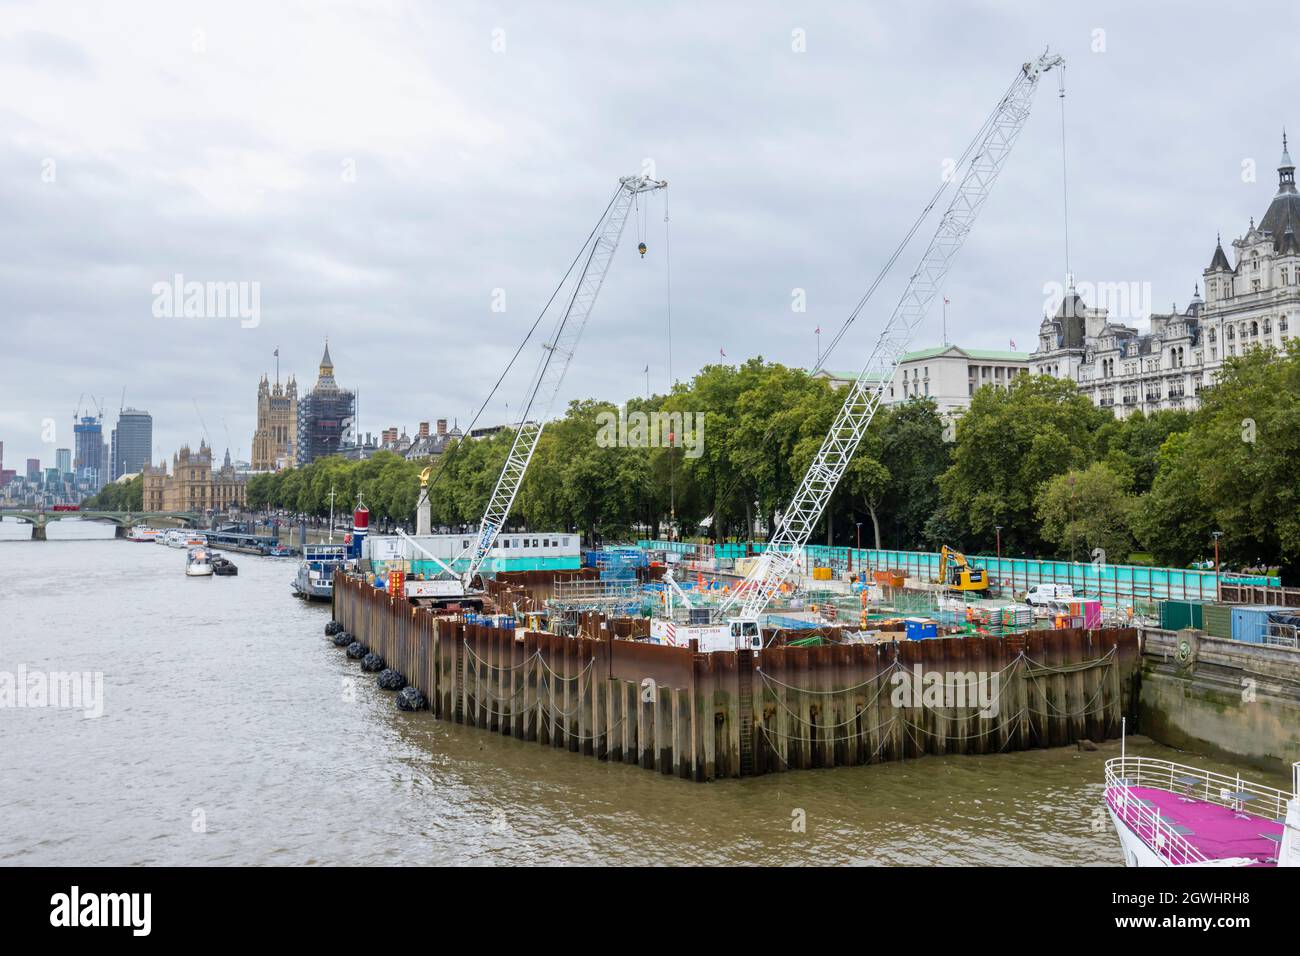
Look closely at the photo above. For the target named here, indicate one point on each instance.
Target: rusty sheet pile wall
(530, 590)
(703, 716)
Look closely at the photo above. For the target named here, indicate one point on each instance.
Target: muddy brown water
(233, 732)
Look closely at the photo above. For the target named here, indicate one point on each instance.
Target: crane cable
(533, 328)
(898, 251)
(907, 238)
(668, 295)
(1065, 191)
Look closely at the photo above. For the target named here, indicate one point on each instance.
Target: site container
(1176, 615)
(1217, 620)
(919, 628)
(1250, 623)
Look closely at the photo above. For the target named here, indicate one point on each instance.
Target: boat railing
(325, 552)
(1242, 796)
(1151, 827)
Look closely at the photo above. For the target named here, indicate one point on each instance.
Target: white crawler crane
(747, 602)
(557, 352)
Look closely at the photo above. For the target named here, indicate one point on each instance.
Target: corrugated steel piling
(742, 713)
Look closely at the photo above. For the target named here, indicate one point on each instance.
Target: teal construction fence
(1116, 585)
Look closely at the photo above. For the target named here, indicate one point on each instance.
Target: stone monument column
(423, 515)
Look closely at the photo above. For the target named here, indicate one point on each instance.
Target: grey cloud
(787, 170)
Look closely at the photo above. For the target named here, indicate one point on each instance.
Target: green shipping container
(1176, 615)
(1218, 620)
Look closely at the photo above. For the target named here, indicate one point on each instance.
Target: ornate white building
(1251, 303)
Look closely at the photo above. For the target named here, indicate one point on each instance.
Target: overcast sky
(379, 169)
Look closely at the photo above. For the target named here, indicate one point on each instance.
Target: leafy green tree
(1245, 452)
(118, 496)
(915, 453)
(868, 482)
(1086, 511)
(1131, 446)
(1009, 442)
(1174, 520)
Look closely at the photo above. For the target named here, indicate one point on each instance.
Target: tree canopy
(1057, 474)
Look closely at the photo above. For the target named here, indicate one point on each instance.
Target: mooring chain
(502, 667)
(806, 690)
(590, 664)
(982, 733)
(1070, 668)
(1087, 708)
(551, 693)
(800, 720)
(478, 687)
(827, 740)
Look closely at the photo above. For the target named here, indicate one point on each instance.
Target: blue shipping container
(1250, 623)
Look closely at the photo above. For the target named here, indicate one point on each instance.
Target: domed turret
(1284, 211)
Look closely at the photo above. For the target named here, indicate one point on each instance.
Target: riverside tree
(1009, 443)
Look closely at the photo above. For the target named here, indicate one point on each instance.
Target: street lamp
(1217, 535)
(859, 535)
(998, 529)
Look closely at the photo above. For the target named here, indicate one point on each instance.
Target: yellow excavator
(958, 574)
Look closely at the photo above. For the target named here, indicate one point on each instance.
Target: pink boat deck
(1216, 831)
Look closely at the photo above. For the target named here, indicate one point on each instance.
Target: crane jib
(995, 140)
(557, 352)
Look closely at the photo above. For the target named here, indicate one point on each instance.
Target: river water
(233, 732)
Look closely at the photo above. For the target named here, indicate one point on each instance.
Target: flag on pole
(722, 353)
(818, 330)
(1013, 345)
(647, 370)
(277, 353)
(945, 300)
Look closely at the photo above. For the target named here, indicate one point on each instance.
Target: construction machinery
(557, 352)
(956, 573)
(987, 154)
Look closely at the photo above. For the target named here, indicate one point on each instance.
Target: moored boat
(315, 580)
(223, 566)
(198, 563)
(141, 533)
(1172, 814)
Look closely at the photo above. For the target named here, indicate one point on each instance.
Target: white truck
(1041, 594)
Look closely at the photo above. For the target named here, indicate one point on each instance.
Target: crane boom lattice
(556, 356)
(785, 549)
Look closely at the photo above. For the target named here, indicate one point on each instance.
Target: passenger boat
(223, 566)
(141, 533)
(176, 538)
(315, 580)
(198, 563)
(1172, 814)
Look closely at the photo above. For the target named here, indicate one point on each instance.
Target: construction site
(728, 659)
